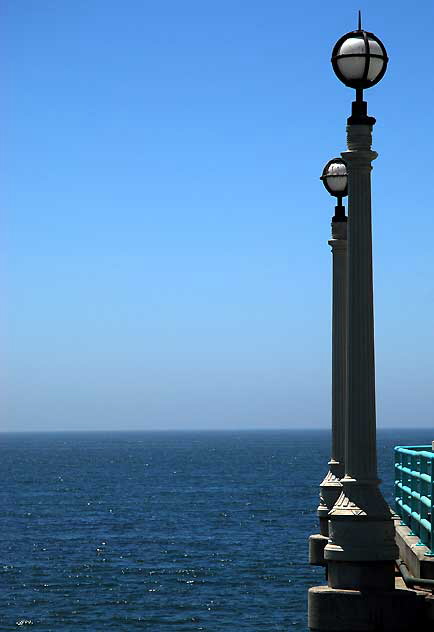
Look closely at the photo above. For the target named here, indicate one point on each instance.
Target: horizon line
(165, 430)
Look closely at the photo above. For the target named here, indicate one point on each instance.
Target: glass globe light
(359, 59)
(335, 177)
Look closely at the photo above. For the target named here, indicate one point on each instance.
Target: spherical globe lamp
(335, 180)
(359, 60)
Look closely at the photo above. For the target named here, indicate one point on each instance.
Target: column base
(331, 610)
(323, 516)
(324, 525)
(361, 528)
(329, 492)
(332, 482)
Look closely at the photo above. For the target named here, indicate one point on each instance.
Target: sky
(164, 260)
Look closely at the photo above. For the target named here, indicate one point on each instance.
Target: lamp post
(361, 549)
(335, 180)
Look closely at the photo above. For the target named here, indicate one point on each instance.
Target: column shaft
(361, 531)
(361, 457)
(331, 487)
(339, 343)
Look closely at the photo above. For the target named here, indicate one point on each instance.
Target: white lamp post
(361, 549)
(335, 180)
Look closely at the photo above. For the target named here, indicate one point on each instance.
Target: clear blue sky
(164, 258)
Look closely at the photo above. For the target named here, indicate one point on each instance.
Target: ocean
(164, 531)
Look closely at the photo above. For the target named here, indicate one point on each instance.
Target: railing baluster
(414, 491)
(432, 498)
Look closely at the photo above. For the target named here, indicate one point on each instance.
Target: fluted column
(361, 531)
(331, 487)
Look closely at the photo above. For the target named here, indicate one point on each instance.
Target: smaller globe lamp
(335, 180)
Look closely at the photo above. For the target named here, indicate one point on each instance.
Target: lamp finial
(360, 20)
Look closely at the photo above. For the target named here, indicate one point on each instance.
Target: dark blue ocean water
(163, 531)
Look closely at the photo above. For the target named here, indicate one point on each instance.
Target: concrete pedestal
(317, 544)
(331, 610)
(361, 575)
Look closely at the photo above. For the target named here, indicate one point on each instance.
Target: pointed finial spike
(360, 20)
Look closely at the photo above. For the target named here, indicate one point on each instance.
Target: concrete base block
(362, 575)
(412, 553)
(331, 610)
(317, 544)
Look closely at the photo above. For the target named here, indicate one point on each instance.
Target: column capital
(339, 235)
(359, 137)
(359, 158)
(338, 246)
(359, 141)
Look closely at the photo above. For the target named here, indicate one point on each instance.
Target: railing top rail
(425, 446)
(416, 450)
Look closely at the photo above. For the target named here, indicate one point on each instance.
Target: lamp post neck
(359, 111)
(339, 215)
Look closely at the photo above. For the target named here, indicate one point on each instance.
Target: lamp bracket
(359, 114)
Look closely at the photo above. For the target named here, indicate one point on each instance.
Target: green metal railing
(414, 491)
